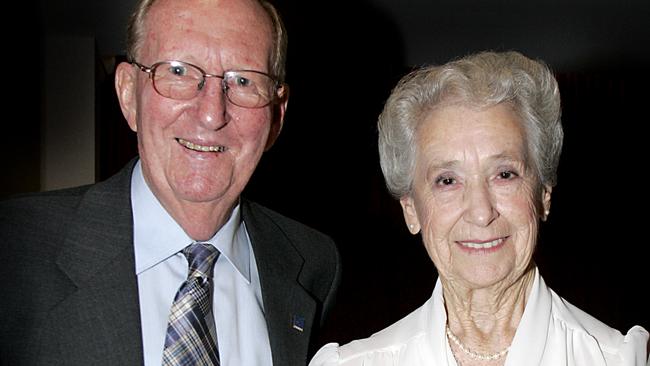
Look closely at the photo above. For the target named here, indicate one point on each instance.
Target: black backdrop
(344, 57)
(324, 171)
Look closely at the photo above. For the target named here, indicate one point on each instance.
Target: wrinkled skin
(199, 189)
(477, 202)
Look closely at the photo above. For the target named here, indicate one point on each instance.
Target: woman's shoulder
(357, 353)
(370, 351)
(382, 348)
(618, 349)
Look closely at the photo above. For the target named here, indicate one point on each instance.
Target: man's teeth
(197, 147)
(487, 245)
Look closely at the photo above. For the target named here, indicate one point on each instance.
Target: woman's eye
(445, 181)
(508, 174)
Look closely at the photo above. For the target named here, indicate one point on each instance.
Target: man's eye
(242, 81)
(178, 70)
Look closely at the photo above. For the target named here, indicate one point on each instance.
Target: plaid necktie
(191, 335)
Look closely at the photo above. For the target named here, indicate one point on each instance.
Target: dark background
(344, 58)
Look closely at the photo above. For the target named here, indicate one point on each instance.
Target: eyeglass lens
(178, 80)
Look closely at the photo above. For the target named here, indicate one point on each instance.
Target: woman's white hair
(480, 80)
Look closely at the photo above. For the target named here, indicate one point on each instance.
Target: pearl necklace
(472, 354)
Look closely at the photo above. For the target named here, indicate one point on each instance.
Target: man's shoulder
(40, 208)
(286, 241)
(292, 228)
(35, 226)
(316, 249)
(54, 208)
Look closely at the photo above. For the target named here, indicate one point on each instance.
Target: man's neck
(201, 220)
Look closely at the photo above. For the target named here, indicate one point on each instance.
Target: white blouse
(552, 332)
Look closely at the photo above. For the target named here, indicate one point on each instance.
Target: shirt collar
(530, 339)
(157, 236)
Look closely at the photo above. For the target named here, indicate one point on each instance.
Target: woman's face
(474, 195)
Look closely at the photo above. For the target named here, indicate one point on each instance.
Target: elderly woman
(471, 150)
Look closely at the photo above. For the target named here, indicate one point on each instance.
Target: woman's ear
(546, 201)
(125, 81)
(410, 214)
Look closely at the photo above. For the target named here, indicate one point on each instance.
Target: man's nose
(212, 104)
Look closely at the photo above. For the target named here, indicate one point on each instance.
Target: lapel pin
(298, 323)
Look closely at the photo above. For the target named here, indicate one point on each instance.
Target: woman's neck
(485, 320)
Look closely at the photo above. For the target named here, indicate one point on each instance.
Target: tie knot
(201, 258)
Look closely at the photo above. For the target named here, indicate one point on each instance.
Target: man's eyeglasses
(245, 88)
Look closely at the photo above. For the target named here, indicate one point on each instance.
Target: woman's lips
(482, 245)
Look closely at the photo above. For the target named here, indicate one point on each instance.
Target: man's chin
(204, 196)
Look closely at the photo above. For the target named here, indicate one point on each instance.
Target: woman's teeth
(486, 245)
(197, 147)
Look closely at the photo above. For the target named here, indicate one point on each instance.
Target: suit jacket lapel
(98, 257)
(289, 309)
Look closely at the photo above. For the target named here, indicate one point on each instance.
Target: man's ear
(410, 214)
(125, 85)
(277, 117)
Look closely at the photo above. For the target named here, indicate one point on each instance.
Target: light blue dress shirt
(238, 309)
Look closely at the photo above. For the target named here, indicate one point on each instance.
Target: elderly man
(165, 263)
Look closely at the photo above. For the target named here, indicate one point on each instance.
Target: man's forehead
(207, 25)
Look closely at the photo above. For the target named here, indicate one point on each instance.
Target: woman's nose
(480, 209)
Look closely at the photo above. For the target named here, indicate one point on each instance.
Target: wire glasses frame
(183, 81)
